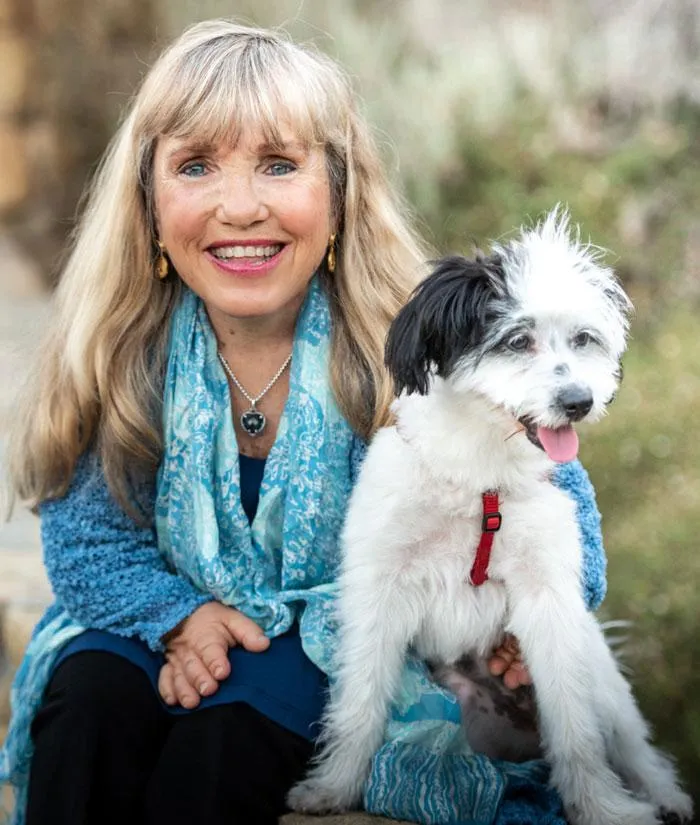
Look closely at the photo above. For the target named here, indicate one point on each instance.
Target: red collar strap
(490, 524)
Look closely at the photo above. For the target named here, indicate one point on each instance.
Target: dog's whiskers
(515, 432)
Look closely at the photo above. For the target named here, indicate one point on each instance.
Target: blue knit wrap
(281, 569)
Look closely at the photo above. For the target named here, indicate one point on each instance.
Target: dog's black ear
(443, 319)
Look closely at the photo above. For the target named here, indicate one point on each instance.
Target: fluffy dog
(493, 361)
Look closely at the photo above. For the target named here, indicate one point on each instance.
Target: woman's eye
(582, 339)
(281, 167)
(520, 343)
(194, 169)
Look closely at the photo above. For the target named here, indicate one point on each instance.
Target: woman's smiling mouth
(246, 258)
(245, 251)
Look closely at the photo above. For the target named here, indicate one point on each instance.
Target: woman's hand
(196, 652)
(507, 662)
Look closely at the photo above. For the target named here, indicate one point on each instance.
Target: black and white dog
(493, 361)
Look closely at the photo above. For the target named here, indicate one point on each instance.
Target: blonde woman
(213, 371)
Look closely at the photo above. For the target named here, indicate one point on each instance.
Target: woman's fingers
(501, 661)
(524, 674)
(185, 694)
(166, 686)
(507, 662)
(214, 654)
(246, 633)
(174, 687)
(197, 651)
(198, 675)
(516, 676)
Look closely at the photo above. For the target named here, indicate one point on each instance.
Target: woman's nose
(241, 201)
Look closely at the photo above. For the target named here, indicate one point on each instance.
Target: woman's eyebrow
(281, 146)
(189, 147)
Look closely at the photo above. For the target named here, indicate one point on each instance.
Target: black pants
(106, 753)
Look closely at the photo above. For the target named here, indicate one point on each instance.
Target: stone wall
(14, 85)
(68, 68)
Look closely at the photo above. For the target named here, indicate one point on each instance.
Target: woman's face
(245, 226)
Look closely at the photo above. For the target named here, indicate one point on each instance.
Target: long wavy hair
(99, 375)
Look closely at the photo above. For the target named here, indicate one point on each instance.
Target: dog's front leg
(647, 771)
(551, 622)
(378, 620)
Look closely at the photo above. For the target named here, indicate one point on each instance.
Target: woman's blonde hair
(99, 373)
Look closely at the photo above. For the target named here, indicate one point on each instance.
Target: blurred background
(489, 112)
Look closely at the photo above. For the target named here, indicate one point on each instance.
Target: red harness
(490, 524)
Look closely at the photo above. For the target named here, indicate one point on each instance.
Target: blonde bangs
(213, 92)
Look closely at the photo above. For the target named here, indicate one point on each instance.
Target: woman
(214, 369)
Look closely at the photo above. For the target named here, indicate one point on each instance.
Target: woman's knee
(96, 688)
(239, 733)
(236, 758)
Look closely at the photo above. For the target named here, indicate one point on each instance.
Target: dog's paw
(311, 796)
(676, 811)
(614, 810)
(634, 812)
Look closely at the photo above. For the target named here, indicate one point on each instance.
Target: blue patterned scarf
(281, 569)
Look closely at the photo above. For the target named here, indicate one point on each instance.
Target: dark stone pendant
(253, 422)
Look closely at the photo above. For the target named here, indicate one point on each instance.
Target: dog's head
(538, 328)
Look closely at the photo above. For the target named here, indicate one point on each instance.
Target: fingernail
(204, 686)
(219, 672)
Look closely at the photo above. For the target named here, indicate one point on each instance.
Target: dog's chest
(449, 498)
(458, 616)
(461, 618)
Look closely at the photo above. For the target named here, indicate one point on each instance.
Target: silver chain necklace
(252, 420)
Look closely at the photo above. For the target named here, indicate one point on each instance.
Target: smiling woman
(190, 437)
(245, 225)
(214, 366)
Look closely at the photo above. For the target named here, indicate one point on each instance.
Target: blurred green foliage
(636, 191)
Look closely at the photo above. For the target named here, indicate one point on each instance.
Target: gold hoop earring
(162, 262)
(331, 253)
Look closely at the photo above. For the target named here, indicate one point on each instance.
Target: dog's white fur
(414, 522)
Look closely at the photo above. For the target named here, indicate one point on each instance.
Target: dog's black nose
(575, 401)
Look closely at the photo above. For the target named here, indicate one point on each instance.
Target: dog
(493, 360)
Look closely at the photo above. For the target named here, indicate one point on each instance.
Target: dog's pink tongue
(560, 444)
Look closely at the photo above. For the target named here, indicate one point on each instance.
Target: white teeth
(226, 252)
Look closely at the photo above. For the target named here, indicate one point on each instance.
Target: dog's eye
(582, 339)
(520, 343)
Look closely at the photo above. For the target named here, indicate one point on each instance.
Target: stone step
(357, 818)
